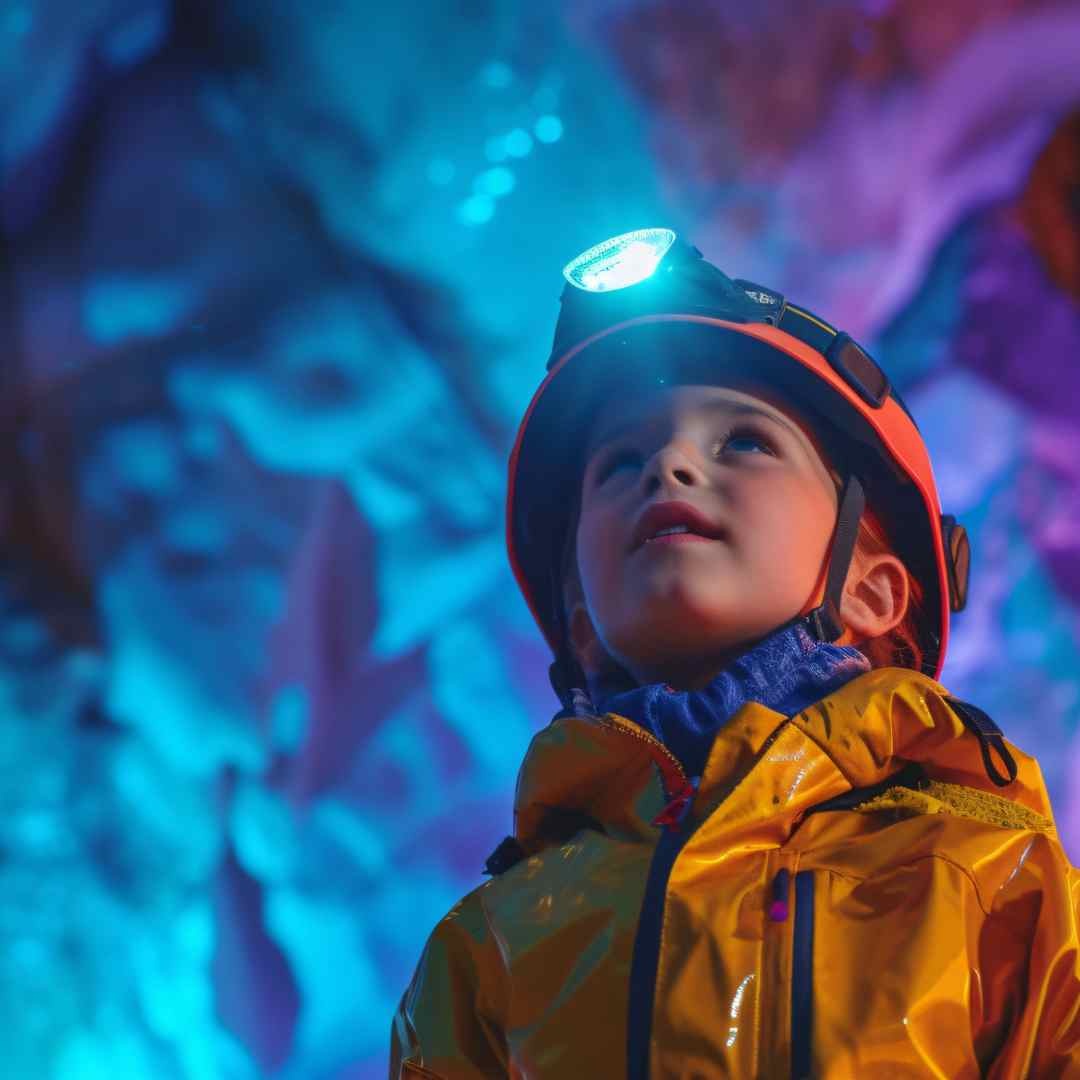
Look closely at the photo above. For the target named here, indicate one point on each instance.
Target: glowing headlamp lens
(621, 261)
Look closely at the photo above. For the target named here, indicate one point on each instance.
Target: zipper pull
(672, 814)
(778, 909)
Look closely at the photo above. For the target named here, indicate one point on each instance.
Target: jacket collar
(763, 771)
(786, 671)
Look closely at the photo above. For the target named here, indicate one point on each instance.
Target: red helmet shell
(885, 436)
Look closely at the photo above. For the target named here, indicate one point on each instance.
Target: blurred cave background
(277, 283)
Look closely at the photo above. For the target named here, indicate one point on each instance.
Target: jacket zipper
(680, 791)
(677, 829)
(802, 975)
(646, 957)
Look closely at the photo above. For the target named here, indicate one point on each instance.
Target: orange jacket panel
(922, 933)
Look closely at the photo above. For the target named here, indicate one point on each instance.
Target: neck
(785, 671)
(693, 674)
(677, 672)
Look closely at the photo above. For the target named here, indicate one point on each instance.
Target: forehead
(647, 406)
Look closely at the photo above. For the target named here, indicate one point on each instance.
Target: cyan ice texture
(278, 283)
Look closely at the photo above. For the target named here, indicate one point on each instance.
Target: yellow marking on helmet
(817, 322)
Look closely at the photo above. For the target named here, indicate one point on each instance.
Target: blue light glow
(476, 210)
(495, 182)
(619, 262)
(518, 143)
(548, 129)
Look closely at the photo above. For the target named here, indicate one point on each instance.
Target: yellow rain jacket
(847, 894)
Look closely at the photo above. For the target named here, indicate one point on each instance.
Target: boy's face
(745, 460)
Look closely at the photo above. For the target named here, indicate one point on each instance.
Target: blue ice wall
(279, 281)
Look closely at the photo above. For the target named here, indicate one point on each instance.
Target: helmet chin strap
(565, 673)
(824, 622)
(567, 679)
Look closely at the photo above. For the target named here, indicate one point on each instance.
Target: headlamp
(619, 262)
(647, 303)
(692, 286)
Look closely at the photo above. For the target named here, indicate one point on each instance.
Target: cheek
(588, 548)
(801, 529)
(598, 556)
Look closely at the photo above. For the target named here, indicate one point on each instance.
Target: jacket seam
(911, 862)
(642, 736)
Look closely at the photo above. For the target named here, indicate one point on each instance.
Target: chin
(679, 608)
(678, 631)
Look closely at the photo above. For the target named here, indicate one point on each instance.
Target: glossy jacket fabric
(928, 930)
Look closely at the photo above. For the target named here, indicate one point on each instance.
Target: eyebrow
(735, 408)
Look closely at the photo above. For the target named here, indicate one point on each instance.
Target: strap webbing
(824, 621)
(990, 737)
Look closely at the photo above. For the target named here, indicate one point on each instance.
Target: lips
(665, 515)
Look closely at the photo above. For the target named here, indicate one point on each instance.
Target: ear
(591, 654)
(875, 596)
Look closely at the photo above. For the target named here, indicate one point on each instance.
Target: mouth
(673, 522)
(677, 538)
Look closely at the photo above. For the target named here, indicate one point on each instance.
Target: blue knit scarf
(786, 672)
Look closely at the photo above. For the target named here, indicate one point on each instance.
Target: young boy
(759, 840)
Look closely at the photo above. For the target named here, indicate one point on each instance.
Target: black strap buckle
(507, 854)
(989, 735)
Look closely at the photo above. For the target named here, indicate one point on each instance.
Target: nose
(673, 466)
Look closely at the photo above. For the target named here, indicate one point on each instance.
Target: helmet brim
(881, 445)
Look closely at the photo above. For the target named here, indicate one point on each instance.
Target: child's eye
(741, 437)
(614, 462)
